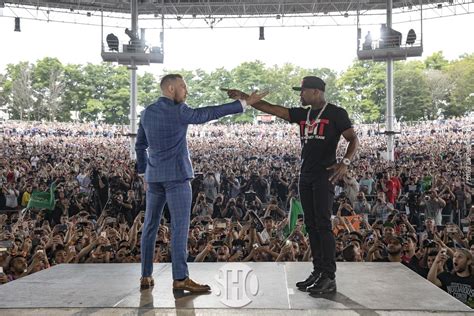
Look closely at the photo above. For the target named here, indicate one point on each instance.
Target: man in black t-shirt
(460, 282)
(321, 125)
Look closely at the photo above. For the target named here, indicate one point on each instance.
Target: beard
(178, 99)
(394, 252)
(460, 269)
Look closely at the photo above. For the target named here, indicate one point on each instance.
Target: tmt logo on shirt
(313, 130)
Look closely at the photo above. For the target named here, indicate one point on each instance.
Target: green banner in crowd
(43, 200)
(295, 210)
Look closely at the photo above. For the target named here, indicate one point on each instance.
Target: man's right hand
(442, 257)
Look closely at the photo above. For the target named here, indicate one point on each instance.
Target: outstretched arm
(262, 105)
(205, 114)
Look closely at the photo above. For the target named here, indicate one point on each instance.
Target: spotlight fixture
(278, 17)
(133, 36)
(262, 33)
(112, 42)
(440, 6)
(17, 24)
(89, 14)
(346, 15)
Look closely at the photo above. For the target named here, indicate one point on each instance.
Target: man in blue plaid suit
(163, 159)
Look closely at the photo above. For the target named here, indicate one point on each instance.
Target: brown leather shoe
(146, 283)
(191, 286)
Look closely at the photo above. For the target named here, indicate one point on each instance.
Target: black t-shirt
(458, 287)
(320, 144)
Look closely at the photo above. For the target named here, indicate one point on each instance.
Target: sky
(310, 47)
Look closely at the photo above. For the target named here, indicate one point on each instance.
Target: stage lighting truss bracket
(398, 42)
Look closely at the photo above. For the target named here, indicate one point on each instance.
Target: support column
(133, 86)
(390, 112)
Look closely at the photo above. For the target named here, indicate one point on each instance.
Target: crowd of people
(416, 210)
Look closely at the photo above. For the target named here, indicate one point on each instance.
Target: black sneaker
(313, 277)
(324, 285)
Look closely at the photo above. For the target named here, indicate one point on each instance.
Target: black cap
(312, 82)
(400, 240)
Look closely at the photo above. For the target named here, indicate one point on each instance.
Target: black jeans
(317, 197)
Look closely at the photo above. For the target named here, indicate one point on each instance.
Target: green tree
(439, 85)
(461, 73)
(105, 83)
(436, 61)
(117, 96)
(362, 90)
(423, 89)
(3, 94)
(75, 94)
(48, 85)
(148, 89)
(20, 86)
(411, 92)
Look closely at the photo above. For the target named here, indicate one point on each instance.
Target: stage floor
(265, 288)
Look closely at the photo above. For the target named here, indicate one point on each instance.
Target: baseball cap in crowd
(400, 240)
(428, 243)
(311, 82)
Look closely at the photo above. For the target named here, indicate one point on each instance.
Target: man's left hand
(339, 169)
(236, 94)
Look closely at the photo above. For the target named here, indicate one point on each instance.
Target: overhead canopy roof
(223, 7)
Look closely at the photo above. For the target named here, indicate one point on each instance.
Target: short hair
(168, 78)
(348, 253)
(413, 238)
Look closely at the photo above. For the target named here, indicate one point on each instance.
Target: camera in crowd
(238, 245)
(429, 243)
(256, 222)
(250, 196)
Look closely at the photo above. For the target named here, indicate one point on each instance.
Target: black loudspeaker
(262, 33)
(17, 24)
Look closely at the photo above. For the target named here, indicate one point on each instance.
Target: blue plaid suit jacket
(161, 146)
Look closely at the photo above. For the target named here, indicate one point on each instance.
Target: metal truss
(188, 14)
